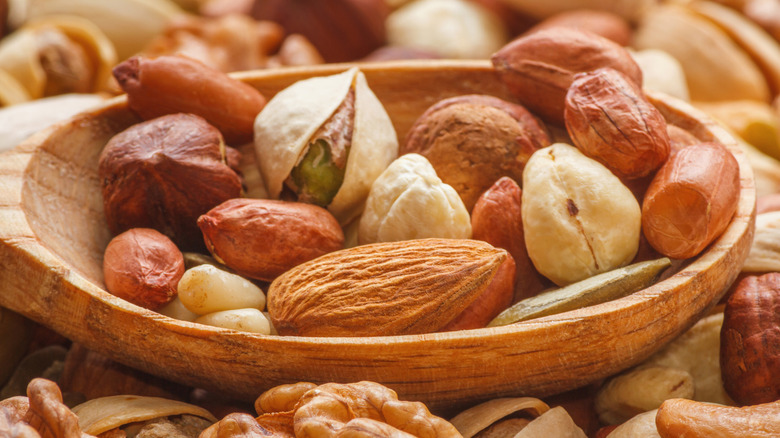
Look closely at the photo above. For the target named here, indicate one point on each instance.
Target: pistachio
(594, 290)
(326, 140)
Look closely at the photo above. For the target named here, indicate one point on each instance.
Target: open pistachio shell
(129, 24)
(473, 420)
(20, 52)
(285, 126)
(11, 91)
(105, 413)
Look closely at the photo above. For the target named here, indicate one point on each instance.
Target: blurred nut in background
(341, 30)
(662, 72)
(164, 174)
(449, 28)
(604, 23)
(472, 141)
(144, 267)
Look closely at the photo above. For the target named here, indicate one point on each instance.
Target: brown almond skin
(262, 238)
(164, 174)
(177, 84)
(602, 23)
(750, 341)
(473, 140)
(539, 67)
(383, 289)
(691, 200)
(143, 267)
(496, 219)
(609, 119)
(692, 419)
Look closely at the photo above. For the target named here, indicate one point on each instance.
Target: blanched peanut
(246, 320)
(206, 289)
(176, 310)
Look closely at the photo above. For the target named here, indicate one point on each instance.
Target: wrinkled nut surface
(47, 414)
(640, 390)
(472, 141)
(206, 289)
(691, 200)
(579, 219)
(409, 201)
(688, 418)
(610, 120)
(164, 174)
(143, 266)
(497, 219)
(538, 68)
(262, 238)
(177, 84)
(750, 340)
(384, 289)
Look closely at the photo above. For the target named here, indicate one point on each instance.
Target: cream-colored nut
(245, 320)
(450, 28)
(409, 201)
(640, 390)
(176, 310)
(206, 289)
(579, 219)
(555, 422)
(640, 426)
(697, 352)
(662, 72)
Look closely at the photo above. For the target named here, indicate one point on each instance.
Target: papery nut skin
(164, 174)
(497, 219)
(143, 267)
(538, 68)
(750, 341)
(262, 238)
(691, 200)
(610, 120)
(474, 140)
(177, 84)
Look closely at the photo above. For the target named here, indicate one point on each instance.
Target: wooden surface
(52, 236)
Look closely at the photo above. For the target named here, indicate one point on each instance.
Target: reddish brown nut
(262, 238)
(473, 140)
(750, 341)
(177, 84)
(538, 68)
(610, 120)
(691, 200)
(679, 138)
(342, 30)
(163, 174)
(496, 219)
(3, 16)
(494, 300)
(603, 23)
(679, 417)
(144, 267)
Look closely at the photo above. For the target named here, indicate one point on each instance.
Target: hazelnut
(164, 174)
(474, 140)
(144, 267)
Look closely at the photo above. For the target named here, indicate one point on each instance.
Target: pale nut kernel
(246, 320)
(262, 238)
(206, 289)
(579, 219)
(473, 140)
(610, 120)
(143, 266)
(538, 68)
(409, 201)
(691, 200)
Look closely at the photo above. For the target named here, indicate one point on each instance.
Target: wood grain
(52, 235)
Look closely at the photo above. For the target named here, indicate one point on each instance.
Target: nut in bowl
(54, 232)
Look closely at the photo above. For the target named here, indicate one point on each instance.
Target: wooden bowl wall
(53, 233)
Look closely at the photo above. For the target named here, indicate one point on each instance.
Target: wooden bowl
(53, 233)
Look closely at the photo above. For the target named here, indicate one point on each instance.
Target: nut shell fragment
(475, 419)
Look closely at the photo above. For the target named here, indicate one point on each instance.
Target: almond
(384, 289)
